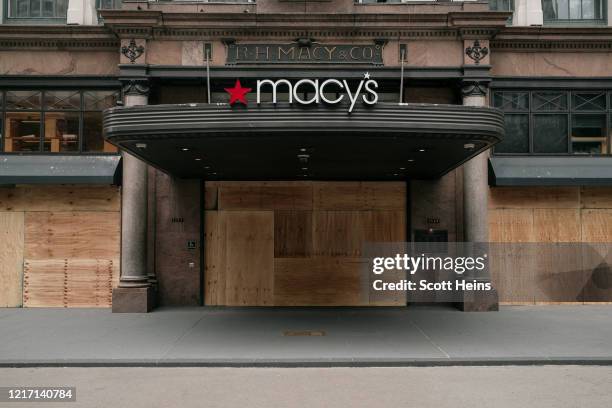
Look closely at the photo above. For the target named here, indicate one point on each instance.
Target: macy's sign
(317, 91)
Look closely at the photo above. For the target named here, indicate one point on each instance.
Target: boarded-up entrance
(297, 243)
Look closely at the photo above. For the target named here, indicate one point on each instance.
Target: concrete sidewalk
(361, 337)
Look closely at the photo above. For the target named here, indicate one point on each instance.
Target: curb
(264, 363)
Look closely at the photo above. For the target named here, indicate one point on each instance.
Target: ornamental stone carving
(132, 51)
(476, 52)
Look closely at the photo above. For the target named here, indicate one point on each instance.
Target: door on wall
(298, 243)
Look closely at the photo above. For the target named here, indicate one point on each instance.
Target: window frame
(43, 110)
(578, 21)
(30, 20)
(569, 111)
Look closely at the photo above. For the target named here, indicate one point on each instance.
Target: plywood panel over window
(556, 225)
(297, 243)
(60, 245)
(60, 198)
(71, 259)
(511, 225)
(534, 197)
(83, 235)
(555, 244)
(11, 258)
(69, 282)
(596, 197)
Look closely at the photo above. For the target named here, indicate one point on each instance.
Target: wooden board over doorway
(297, 243)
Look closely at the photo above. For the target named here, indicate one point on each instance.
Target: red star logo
(237, 93)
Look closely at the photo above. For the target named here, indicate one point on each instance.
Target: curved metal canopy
(285, 142)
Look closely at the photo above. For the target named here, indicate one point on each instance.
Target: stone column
(475, 203)
(134, 293)
(475, 177)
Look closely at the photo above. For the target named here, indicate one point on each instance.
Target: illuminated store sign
(310, 91)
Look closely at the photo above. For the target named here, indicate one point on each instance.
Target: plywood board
(534, 197)
(44, 281)
(249, 242)
(556, 225)
(266, 245)
(384, 226)
(597, 265)
(386, 297)
(90, 282)
(597, 225)
(83, 234)
(511, 225)
(60, 198)
(265, 196)
(292, 234)
(359, 196)
(320, 281)
(11, 258)
(211, 195)
(596, 197)
(513, 271)
(69, 282)
(338, 233)
(558, 272)
(214, 273)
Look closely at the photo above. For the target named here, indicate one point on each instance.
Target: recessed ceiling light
(304, 168)
(185, 149)
(395, 174)
(141, 145)
(410, 160)
(206, 167)
(421, 149)
(303, 149)
(197, 159)
(402, 168)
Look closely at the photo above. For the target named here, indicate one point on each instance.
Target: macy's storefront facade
(262, 150)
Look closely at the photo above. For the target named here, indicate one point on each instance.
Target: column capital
(474, 87)
(135, 86)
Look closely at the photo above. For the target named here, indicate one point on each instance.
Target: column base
(133, 300)
(479, 301)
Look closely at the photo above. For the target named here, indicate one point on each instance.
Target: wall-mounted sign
(312, 53)
(329, 91)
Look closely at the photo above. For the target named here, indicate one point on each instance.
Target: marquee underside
(284, 142)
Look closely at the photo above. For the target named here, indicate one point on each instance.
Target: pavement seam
(171, 346)
(440, 349)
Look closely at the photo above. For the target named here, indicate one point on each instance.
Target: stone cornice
(85, 38)
(557, 39)
(155, 24)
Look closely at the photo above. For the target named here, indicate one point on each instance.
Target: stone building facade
(137, 169)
